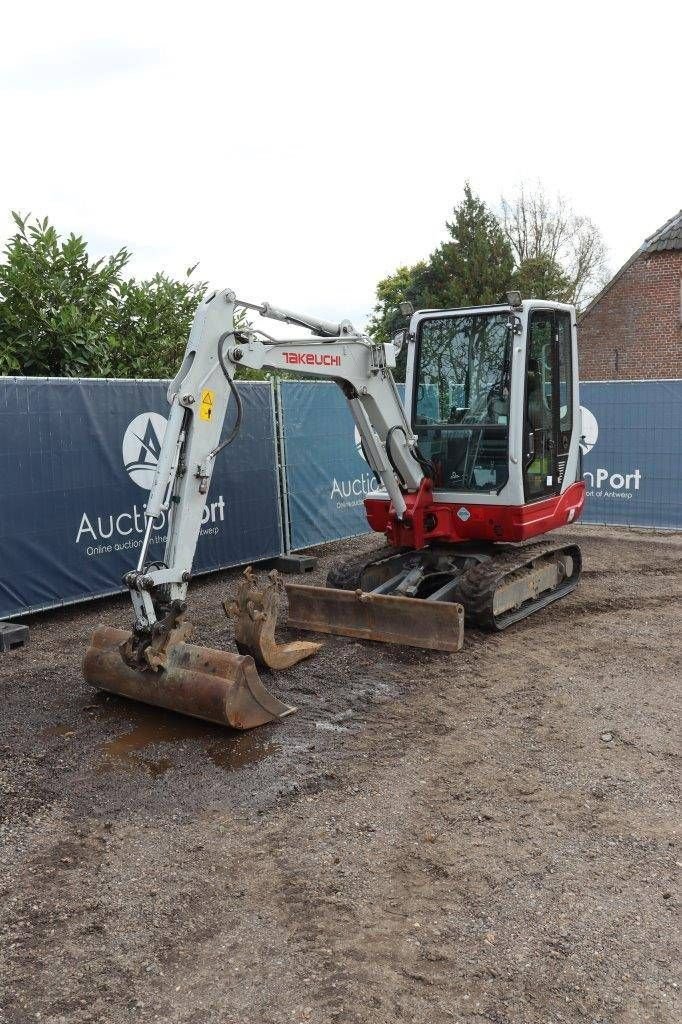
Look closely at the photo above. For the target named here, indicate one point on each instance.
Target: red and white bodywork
(537, 436)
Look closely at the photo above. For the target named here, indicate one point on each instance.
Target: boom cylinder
(327, 328)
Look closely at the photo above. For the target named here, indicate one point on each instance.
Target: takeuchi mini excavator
(481, 460)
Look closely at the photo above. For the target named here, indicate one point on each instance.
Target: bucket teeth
(217, 686)
(255, 614)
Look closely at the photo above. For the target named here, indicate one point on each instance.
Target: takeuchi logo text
(311, 359)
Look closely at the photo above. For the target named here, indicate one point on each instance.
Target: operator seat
(539, 415)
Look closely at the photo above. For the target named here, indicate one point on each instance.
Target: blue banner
(77, 459)
(632, 456)
(327, 476)
(632, 459)
(76, 463)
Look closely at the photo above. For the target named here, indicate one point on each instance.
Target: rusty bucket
(255, 614)
(217, 686)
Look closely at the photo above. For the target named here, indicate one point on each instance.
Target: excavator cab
(493, 396)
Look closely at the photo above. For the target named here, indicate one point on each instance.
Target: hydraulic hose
(387, 446)
(235, 394)
(426, 466)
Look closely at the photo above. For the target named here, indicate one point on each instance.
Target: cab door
(548, 407)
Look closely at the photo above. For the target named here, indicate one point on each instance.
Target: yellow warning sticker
(206, 408)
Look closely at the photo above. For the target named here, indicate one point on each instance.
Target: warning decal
(206, 408)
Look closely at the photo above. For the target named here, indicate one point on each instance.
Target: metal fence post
(282, 466)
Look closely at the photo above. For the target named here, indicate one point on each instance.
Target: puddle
(57, 730)
(227, 749)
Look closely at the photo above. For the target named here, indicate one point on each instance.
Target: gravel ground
(486, 836)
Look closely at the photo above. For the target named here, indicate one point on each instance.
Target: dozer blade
(409, 621)
(255, 612)
(215, 685)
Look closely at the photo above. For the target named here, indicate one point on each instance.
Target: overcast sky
(302, 151)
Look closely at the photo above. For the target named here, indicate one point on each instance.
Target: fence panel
(327, 476)
(633, 459)
(76, 463)
(77, 458)
(633, 471)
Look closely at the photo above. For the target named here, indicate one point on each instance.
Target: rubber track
(346, 574)
(477, 586)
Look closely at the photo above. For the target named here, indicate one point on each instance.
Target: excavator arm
(199, 397)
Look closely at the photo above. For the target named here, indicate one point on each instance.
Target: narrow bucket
(408, 621)
(217, 686)
(255, 614)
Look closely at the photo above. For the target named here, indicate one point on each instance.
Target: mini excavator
(481, 460)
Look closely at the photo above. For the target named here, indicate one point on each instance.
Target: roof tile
(667, 237)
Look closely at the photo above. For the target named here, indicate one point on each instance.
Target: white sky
(301, 151)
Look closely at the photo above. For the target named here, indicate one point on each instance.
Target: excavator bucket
(409, 621)
(202, 682)
(255, 612)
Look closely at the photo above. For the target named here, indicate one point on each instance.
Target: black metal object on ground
(12, 636)
(295, 563)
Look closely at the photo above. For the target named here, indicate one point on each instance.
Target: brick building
(632, 330)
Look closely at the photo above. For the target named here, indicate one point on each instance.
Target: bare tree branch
(540, 228)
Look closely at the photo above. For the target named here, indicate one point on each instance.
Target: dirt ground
(488, 836)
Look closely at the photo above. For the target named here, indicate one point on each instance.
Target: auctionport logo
(142, 442)
(350, 493)
(104, 532)
(590, 430)
(357, 440)
(602, 482)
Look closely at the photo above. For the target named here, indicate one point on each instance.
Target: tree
(58, 310)
(542, 248)
(473, 267)
(558, 253)
(541, 277)
(63, 315)
(154, 322)
(407, 284)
